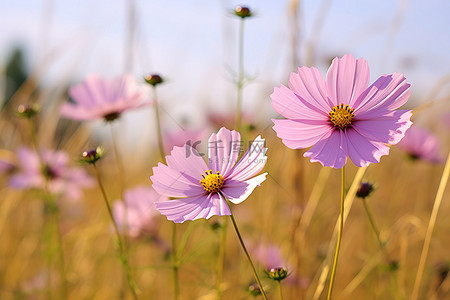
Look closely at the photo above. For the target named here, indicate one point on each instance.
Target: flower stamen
(341, 115)
(212, 182)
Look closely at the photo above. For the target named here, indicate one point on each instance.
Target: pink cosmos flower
(203, 188)
(63, 180)
(342, 115)
(97, 98)
(419, 143)
(141, 212)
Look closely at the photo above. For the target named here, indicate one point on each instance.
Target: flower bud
(153, 79)
(27, 110)
(91, 156)
(253, 289)
(242, 11)
(364, 190)
(277, 274)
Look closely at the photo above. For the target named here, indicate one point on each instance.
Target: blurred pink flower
(203, 188)
(141, 214)
(341, 116)
(181, 137)
(63, 180)
(268, 255)
(419, 143)
(97, 98)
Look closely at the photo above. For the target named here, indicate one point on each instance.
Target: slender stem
(120, 165)
(175, 262)
(341, 227)
(248, 257)
(158, 125)
(176, 283)
(122, 253)
(430, 228)
(374, 226)
(221, 258)
(241, 74)
(279, 289)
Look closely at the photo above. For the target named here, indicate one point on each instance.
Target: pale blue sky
(193, 43)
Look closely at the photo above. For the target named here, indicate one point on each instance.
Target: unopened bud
(364, 190)
(253, 289)
(91, 156)
(27, 110)
(242, 11)
(153, 79)
(277, 274)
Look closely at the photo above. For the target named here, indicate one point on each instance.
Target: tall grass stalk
(430, 228)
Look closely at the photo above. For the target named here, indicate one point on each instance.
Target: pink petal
(89, 92)
(309, 85)
(251, 163)
(25, 180)
(80, 113)
(194, 208)
(389, 128)
(173, 183)
(223, 150)
(362, 151)
(187, 161)
(238, 191)
(347, 78)
(28, 159)
(298, 134)
(330, 151)
(387, 93)
(290, 106)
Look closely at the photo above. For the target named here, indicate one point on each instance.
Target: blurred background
(48, 46)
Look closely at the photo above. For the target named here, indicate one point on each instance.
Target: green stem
(175, 262)
(341, 228)
(247, 254)
(122, 253)
(241, 74)
(176, 283)
(374, 227)
(221, 258)
(279, 289)
(158, 125)
(120, 165)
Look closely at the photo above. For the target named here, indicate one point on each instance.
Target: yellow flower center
(341, 116)
(212, 182)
